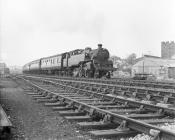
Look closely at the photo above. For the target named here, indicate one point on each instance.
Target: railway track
(154, 96)
(120, 81)
(81, 102)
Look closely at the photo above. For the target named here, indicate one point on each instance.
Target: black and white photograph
(87, 69)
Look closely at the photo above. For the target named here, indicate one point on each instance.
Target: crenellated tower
(168, 50)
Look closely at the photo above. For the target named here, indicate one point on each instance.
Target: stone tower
(168, 50)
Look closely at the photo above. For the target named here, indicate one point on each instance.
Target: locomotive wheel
(81, 73)
(96, 74)
(88, 73)
(75, 72)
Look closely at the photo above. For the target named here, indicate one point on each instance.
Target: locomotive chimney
(99, 46)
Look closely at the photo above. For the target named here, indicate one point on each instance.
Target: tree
(131, 59)
(116, 61)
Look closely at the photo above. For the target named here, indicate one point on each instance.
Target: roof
(151, 56)
(156, 61)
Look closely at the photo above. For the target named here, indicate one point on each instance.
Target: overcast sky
(30, 29)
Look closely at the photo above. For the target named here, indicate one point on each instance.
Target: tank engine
(77, 63)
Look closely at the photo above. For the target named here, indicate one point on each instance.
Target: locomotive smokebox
(99, 46)
(100, 54)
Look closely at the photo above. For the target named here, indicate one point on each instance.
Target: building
(157, 66)
(168, 50)
(2, 68)
(15, 69)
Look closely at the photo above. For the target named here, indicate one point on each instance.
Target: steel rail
(116, 118)
(143, 83)
(170, 111)
(119, 86)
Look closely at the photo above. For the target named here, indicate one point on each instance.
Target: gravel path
(33, 121)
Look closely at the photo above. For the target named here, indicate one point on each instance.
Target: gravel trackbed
(33, 121)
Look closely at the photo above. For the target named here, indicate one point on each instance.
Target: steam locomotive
(78, 63)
